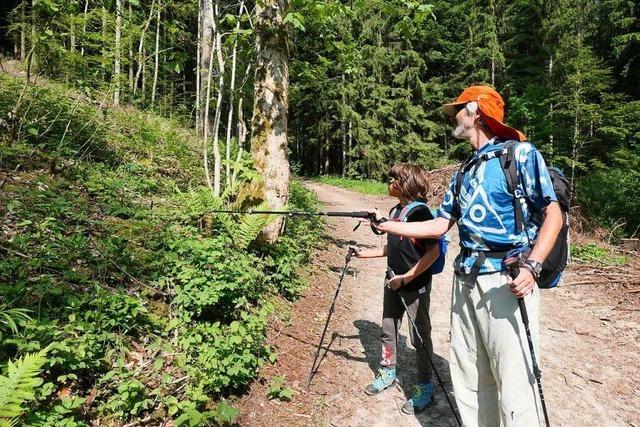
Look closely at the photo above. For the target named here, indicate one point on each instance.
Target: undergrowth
(150, 306)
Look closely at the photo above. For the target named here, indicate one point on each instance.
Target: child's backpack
(438, 264)
(553, 267)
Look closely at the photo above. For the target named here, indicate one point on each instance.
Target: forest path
(590, 348)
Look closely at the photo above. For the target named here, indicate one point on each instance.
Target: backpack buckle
(518, 193)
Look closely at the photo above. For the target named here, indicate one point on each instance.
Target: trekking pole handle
(365, 215)
(513, 269)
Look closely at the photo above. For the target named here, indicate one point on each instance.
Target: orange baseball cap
(490, 108)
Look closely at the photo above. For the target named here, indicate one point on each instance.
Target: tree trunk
(104, 42)
(327, 154)
(269, 122)
(130, 54)
(116, 65)
(198, 54)
(72, 33)
(344, 130)
(217, 159)
(242, 137)
(551, 105)
(141, 58)
(156, 57)
(207, 41)
(143, 87)
(350, 137)
(206, 52)
(84, 25)
(23, 30)
(232, 86)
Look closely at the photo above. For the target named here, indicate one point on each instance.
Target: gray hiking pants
(392, 313)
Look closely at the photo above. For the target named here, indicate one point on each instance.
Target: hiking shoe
(422, 398)
(385, 378)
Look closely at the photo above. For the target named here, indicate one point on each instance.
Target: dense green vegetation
(369, 77)
(150, 305)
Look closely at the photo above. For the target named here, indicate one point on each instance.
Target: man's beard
(459, 132)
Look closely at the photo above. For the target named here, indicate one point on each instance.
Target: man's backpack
(555, 263)
(438, 264)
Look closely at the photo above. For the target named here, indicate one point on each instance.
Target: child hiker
(410, 260)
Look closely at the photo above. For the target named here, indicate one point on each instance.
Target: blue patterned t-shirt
(484, 208)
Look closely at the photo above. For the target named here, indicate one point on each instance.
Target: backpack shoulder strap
(509, 167)
(404, 214)
(393, 213)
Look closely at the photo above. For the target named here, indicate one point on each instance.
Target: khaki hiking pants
(490, 361)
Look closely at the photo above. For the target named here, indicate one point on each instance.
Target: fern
(19, 385)
(10, 317)
(250, 227)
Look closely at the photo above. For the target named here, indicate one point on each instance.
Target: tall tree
(116, 65)
(270, 108)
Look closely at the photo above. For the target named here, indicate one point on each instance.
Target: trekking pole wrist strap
(528, 267)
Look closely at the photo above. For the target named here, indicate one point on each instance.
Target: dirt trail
(590, 347)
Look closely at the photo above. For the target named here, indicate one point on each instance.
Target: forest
(123, 123)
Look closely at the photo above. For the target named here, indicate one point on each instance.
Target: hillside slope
(155, 307)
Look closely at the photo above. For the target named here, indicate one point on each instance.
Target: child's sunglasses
(390, 180)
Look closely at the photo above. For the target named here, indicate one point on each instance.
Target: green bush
(612, 195)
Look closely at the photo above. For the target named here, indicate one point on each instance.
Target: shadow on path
(370, 332)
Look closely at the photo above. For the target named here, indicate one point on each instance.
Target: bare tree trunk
(156, 56)
(104, 41)
(574, 147)
(130, 54)
(143, 87)
(551, 105)
(84, 26)
(232, 86)
(271, 102)
(72, 33)
(217, 158)
(327, 153)
(206, 52)
(242, 137)
(141, 58)
(198, 54)
(23, 30)
(116, 65)
(207, 41)
(344, 130)
(350, 136)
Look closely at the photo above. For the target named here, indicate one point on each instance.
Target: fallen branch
(585, 378)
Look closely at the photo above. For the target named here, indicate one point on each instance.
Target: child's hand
(396, 282)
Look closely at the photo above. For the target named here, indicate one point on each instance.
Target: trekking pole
(314, 368)
(514, 270)
(391, 275)
(356, 214)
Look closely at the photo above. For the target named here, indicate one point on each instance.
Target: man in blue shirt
(491, 369)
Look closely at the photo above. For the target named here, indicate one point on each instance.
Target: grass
(595, 253)
(364, 186)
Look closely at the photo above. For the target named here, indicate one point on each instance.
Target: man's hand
(396, 282)
(523, 284)
(376, 213)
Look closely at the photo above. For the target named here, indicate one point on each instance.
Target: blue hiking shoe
(422, 398)
(385, 378)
